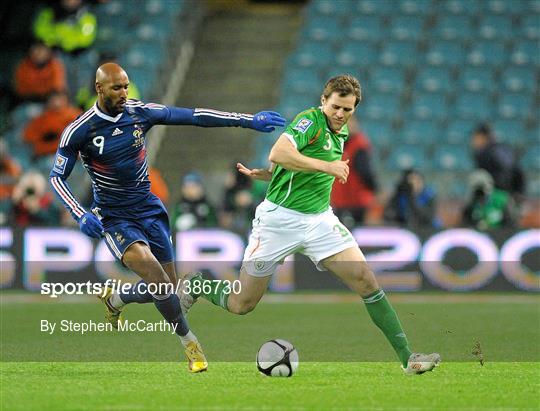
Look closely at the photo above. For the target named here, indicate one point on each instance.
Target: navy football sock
(169, 307)
(137, 294)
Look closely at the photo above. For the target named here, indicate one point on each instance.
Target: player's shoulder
(78, 128)
(310, 113)
(133, 105)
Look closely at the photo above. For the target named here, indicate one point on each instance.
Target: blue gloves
(90, 225)
(265, 120)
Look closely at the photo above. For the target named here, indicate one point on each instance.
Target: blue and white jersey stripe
(221, 114)
(67, 196)
(68, 132)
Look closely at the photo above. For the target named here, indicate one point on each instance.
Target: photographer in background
(499, 160)
(488, 206)
(193, 210)
(413, 203)
(32, 204)
(239, 202)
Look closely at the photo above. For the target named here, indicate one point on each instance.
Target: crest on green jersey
(303, 125)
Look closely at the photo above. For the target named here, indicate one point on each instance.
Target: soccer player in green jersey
(296, 217)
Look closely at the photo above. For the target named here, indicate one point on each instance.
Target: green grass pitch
(345, 362)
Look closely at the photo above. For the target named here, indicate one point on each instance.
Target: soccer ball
(277, 358)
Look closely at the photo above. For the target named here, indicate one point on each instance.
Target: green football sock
(215, 292)
(384, 316)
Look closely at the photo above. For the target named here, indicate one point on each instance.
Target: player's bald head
(110, 72)
(112, 85)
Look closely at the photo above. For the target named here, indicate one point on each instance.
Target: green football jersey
(308, 192)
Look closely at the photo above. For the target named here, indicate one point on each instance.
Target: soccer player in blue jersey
(110, 139)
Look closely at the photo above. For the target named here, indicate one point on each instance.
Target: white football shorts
(279, 232)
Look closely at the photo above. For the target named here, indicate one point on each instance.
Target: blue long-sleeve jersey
(113, 150)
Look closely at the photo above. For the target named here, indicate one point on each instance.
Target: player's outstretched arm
(264, 121)
(255, 173)
(287, 156)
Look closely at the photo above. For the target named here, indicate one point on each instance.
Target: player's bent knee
(245, 309)
(137, 253)
(365, 278)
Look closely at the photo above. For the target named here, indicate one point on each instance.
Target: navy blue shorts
(153, 231)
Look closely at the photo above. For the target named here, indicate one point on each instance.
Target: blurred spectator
(67, 24)
(238, 203)
(158, 186)
(44, 131)
(10, 171)
(39, 74)
(498, 160)
(193, 210)
(32, 204)
(258, 190)
(234, 181)
(488, 207)
(350, 201)
(86, 95)
(413, 203)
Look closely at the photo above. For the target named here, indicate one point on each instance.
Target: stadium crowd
(47, 98)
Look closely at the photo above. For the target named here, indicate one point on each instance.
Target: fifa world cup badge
(60, 164)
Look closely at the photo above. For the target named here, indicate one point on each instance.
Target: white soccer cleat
(186, 298)
(420, 363)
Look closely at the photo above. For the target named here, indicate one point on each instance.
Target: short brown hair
(344, 84)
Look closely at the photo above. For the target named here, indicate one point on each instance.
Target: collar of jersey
(105, 116)
(340, 133)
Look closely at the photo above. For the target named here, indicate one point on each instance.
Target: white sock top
(116, 301)
(189, 337)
